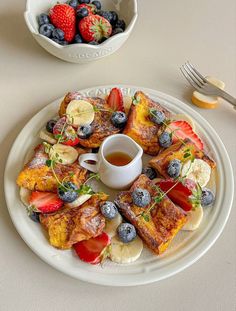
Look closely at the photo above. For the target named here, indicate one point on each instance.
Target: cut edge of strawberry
(115, 100)
(84, 251)
(177, 193)
(40, 202)
(184, 130)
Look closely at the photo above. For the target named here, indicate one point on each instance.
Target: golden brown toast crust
(71, 225)
(165, 219)
(102, 126)
(140, 127)
(177, 151)
(36, 175)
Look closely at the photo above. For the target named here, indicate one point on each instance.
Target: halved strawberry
(115, 100)
(66, 133)
(90, 7)
(182, 130)
(93, 250)
(181, 193)
(45, 202)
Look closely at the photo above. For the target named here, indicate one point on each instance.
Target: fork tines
(193, 75)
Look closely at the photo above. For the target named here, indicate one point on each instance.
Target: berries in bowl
(80, 31)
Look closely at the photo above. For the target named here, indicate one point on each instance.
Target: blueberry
(58, 34)
(106, 14)
(82, 12)
(118, 119)
(120, 24)
(43, 19)
(114, 17)
(61, 42)
(46, 30)
(109, 210)
(149, 172)
(73, 3)
(157, 116)
(34, 216)
(207, 197)
(116, 31)
(165, 140)
(67, 192)
(126, 232)
(93, 43)
(141, 197)
(84, 1)
(97, 4)
(50, 125)
(78, 38)
(85, 131)
(56, 40)
(174, 168)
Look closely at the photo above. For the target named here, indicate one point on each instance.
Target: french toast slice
(36, 175)
(71, 225)
(178, 151)
(164, 220)
(102, 126)
(140, 127)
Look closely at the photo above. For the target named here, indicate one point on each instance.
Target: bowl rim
(93, 47)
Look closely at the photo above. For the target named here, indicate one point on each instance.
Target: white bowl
(81, 52)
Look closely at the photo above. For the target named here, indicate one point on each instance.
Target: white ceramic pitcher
(116, 177)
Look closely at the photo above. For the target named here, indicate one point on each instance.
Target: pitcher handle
(89, 156)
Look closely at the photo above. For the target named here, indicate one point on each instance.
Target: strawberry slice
(182, 130)
(180, 194)
(93, 250)
(115, 100)
(66, 133)
(45, 202)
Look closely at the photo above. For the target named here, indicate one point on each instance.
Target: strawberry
(182, 130)
(45, 202)
(94, 28)
(181, 194)
(69, 136)
(93, 251)
(90, 7)
(115, 100)
(63, 16)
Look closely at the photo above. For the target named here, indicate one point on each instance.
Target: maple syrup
(118, 158)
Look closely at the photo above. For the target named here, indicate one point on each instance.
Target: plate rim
(189, 259)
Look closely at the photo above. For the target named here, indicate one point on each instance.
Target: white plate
(185, 249)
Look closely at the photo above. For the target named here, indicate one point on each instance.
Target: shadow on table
(15, 35)
(5, 145)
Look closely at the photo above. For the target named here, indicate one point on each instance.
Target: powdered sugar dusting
(36, 162)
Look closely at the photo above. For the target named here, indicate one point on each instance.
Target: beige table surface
(167, 34)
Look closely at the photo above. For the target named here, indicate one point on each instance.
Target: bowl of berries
(81, 31)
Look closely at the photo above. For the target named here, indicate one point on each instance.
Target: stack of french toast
(54, 186)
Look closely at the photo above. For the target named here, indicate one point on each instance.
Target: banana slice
(80, 112)
(125, 252)
(24, 196)
(79, 201)
(111, 225)
(194, 219)
(63, 154)
(127, 103)
(48, 137)
(186, 118)
(208, 102)
(199, 171)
